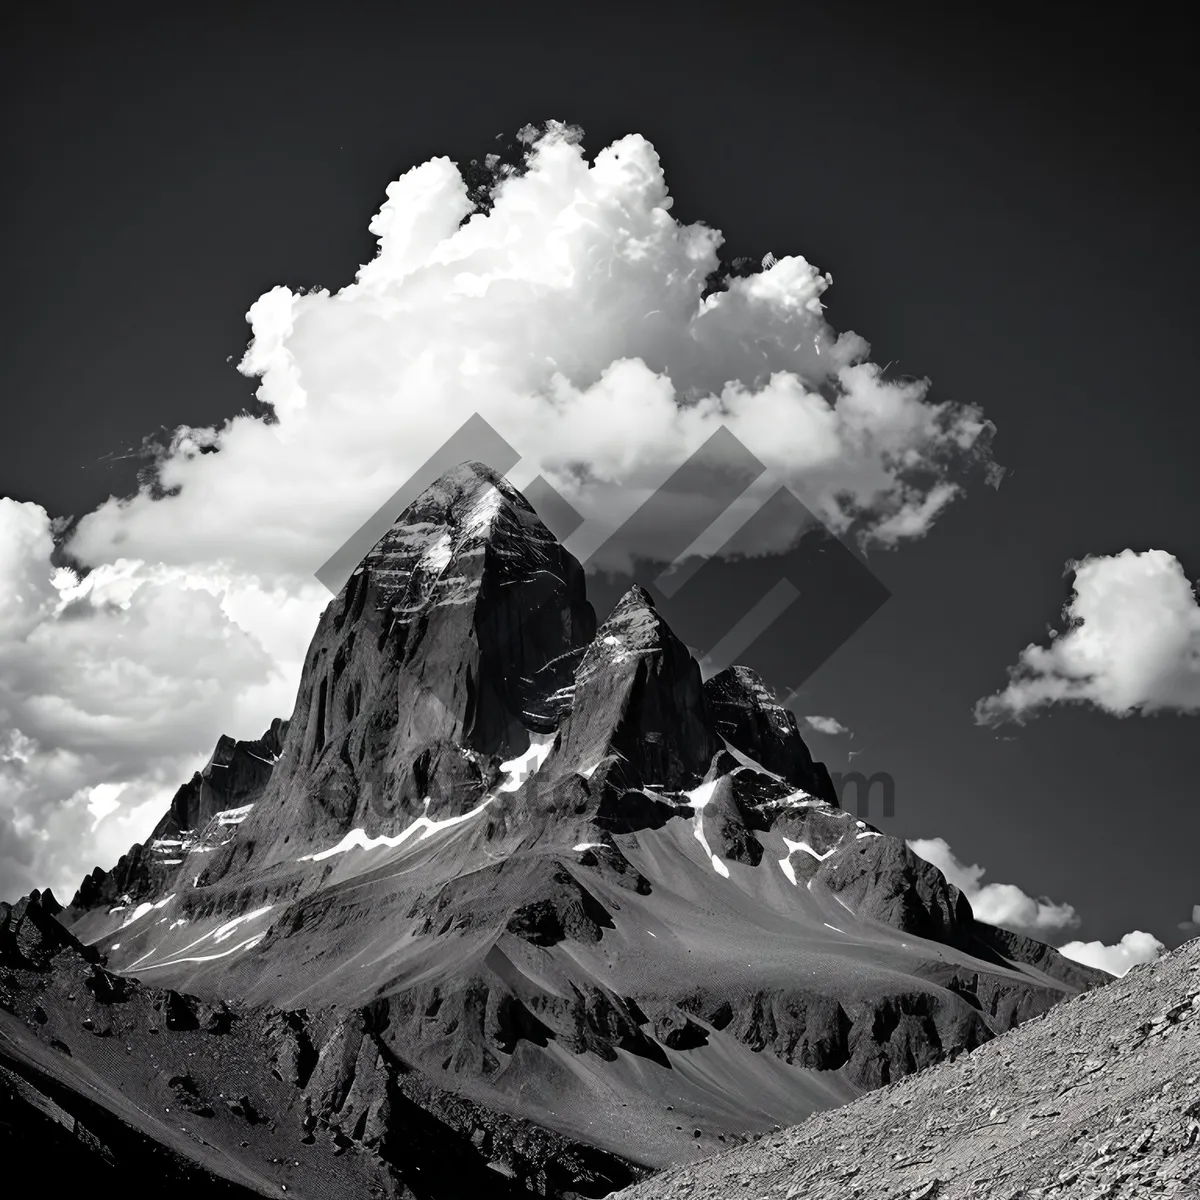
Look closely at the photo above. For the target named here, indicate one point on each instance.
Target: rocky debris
(187, 1096)
(348, 1120)
(1099, 1097)
(569, 910)
(362, 1094)
(32, 936)
(290, 1052)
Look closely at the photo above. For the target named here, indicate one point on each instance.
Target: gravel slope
(1100, 1097)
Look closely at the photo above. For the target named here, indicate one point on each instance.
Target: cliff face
(453, 642)
(534, 881)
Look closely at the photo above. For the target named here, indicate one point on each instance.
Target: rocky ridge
(1098, 1098)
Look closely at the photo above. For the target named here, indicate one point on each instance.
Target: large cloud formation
(571, 317)
(1008, 907)
(568, 308)
(1132, 644)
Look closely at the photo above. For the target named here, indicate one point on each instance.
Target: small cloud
(1132, 644)
(827, 725)
(1134, 948)
(1192, 926)
(1001, 904)
(994, 474)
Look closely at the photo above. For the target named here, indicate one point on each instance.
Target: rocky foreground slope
(1098, 1098)
(516, 880)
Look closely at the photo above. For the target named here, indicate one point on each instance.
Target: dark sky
(1006, 205)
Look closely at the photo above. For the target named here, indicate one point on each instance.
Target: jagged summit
(203, 814)
(638, 700)
(749, 718)
(451, 646)
(467, 509)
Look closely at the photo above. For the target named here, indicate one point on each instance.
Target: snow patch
(437, 555)
(220, 934)
(144, 908)
(794, 846)
(698, 798)
(869, 833)
(357, 839)
(483, 512)
(233, 816)
(589, 846)
(248, 944)
(524, 765)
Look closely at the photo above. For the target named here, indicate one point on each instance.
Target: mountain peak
(747, 714)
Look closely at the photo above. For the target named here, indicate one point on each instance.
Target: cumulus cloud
(113, 689)
(568, 309)
(1132, 644)
(1007, 906)
(1002, 904)
(570, 316)
(1134, 948)
(828, 725)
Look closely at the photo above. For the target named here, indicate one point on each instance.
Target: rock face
(750, 720)
(1098, 1098)
(454, 641)
(509, 881)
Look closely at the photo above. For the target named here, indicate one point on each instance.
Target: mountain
(204, 814)
(511, 891)
(1099, 1097)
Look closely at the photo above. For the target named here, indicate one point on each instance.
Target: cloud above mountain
(571, 317)
(567, 309)
(1132, 644)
